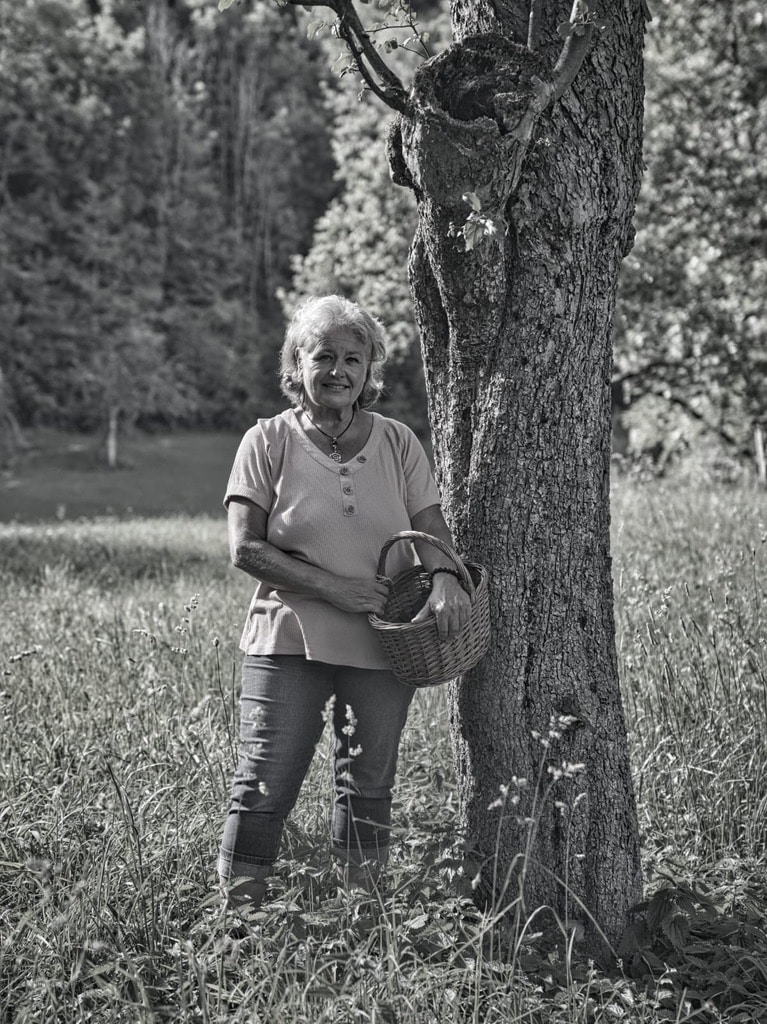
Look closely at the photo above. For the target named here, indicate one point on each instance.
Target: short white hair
(313, 319)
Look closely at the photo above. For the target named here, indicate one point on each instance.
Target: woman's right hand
(351, 595)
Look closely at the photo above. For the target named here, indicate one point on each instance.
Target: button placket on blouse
(346, 481)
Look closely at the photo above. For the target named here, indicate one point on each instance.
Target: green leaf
(314, 27)
(677, 930)
(224, 5)
(473, 200)
(565, 29)
(473, 233)
(417, 922)
(662, 906)
(341, 64)
(653, 963)
(634, 938)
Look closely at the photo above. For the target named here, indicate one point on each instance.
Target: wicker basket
(417, 656)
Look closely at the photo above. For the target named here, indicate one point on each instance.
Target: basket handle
(413, 535)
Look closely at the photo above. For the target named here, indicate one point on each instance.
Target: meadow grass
(120, 674)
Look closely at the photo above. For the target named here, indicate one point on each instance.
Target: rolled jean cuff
(231, 867)
(361, 854)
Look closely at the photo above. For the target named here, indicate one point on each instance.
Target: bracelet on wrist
(445, 569)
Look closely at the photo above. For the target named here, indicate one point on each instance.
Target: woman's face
(334, 370)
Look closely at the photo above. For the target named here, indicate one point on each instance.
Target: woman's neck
(328, 419)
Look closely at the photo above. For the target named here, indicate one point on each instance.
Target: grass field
(118, 703)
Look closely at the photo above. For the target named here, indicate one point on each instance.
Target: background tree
(525, 182)
(147, 217)
(692, 322)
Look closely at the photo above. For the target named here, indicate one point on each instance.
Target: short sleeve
(251, 475)
(421, 490)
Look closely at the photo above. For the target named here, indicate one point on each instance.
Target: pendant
(335, 456)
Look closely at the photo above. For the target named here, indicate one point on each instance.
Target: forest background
(171, 178)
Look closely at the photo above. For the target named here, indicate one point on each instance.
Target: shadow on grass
(63, 476)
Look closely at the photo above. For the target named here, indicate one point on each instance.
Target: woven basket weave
(416, 654)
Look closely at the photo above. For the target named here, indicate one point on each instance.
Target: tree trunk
(113, 424)
(761, 464)
(12, 439)
(516, 336)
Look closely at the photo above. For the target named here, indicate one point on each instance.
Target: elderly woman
(313, 495)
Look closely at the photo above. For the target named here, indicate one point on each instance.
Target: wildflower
(348, 730)
(256, 716)
(567, 721)
(327, 711)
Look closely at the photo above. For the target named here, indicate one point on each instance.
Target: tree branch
(370, 81)
(575, 49)
(725, 435)
(378, 76)
(534, 24)
(647, 371)
(352, 31)
(570, 59)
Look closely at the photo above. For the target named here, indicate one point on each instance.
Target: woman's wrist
(445, 574)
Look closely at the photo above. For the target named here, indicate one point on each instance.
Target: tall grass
(691, 580)
(119, 715)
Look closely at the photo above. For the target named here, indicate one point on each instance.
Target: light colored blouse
(335, 516)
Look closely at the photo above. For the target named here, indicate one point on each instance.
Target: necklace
(335, 455)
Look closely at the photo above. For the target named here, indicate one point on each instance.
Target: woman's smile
(334, 372)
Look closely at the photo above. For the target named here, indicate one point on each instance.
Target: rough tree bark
(516, 337)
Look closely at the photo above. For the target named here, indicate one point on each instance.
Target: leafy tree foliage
(153, 186)
(692, 322)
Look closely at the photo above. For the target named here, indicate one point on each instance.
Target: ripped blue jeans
(282, 716)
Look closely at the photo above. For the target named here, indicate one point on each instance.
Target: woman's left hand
(450, 605)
